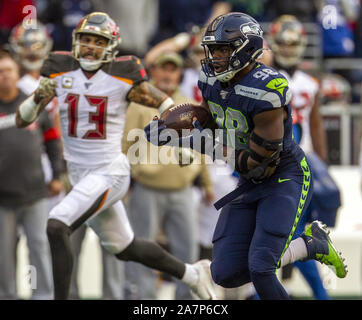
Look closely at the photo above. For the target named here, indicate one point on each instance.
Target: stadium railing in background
(342, 124)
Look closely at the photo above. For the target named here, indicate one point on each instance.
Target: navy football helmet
(242, 34)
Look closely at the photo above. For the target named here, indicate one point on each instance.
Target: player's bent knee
(57, 229)
(262, 260)
(229, 275)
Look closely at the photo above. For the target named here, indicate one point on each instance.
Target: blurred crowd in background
(151, 29)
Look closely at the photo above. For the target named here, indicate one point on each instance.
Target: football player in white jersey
(93, 89)
(288, 41)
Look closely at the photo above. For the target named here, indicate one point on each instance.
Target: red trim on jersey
(123, 58)
(51, 134)
(66, 53)
(143, 73)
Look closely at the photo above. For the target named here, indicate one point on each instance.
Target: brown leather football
(180, 117)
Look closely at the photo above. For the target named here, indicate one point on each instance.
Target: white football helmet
(30, 45)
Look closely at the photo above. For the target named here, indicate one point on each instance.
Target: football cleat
(204, 288)
(320, 248)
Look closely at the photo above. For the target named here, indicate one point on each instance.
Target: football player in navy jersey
(250, 104)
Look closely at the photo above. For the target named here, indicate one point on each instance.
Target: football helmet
(288, 40)
(335, 89)
(30, 46)
(242, 34)
(100, 24)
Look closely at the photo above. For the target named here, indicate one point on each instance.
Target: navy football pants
(253, 232)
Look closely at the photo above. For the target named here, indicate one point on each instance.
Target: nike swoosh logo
(277, 85)
(282, 180)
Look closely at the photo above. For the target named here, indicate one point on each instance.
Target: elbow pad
(273, 160)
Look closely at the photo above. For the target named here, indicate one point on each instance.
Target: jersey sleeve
(128, 69)
(205, 84)
(57, 63)
(275, 94)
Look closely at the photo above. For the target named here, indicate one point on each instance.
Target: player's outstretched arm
(146, 94)
(30, 108)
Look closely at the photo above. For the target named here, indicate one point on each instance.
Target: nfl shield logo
(223, 94)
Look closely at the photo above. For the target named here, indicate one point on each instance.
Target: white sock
(191, 276)
(297, 250)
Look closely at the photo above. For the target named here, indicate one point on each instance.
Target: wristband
(28, 110)
(165, 105)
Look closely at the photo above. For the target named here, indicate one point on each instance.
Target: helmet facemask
(101, 25)
(89, 64)
(243, 55)
(242, 35)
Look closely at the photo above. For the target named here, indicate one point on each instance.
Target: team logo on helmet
(251, 28)
(242, 34)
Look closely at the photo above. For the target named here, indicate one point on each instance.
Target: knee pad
(262, 260)
(229, 275)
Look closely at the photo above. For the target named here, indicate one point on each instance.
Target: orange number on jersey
(98, 117)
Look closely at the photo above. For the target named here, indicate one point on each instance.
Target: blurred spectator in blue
(337, 19)
(61, 17)
(358, 34)
(137, 21)
(11, 14)
(178, 16)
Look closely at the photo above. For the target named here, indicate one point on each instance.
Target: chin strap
(90, 65)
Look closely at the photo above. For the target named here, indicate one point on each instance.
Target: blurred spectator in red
(11, 14)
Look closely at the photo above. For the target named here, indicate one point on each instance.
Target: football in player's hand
(180, 117)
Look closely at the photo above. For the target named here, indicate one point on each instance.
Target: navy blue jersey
(234, 107)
